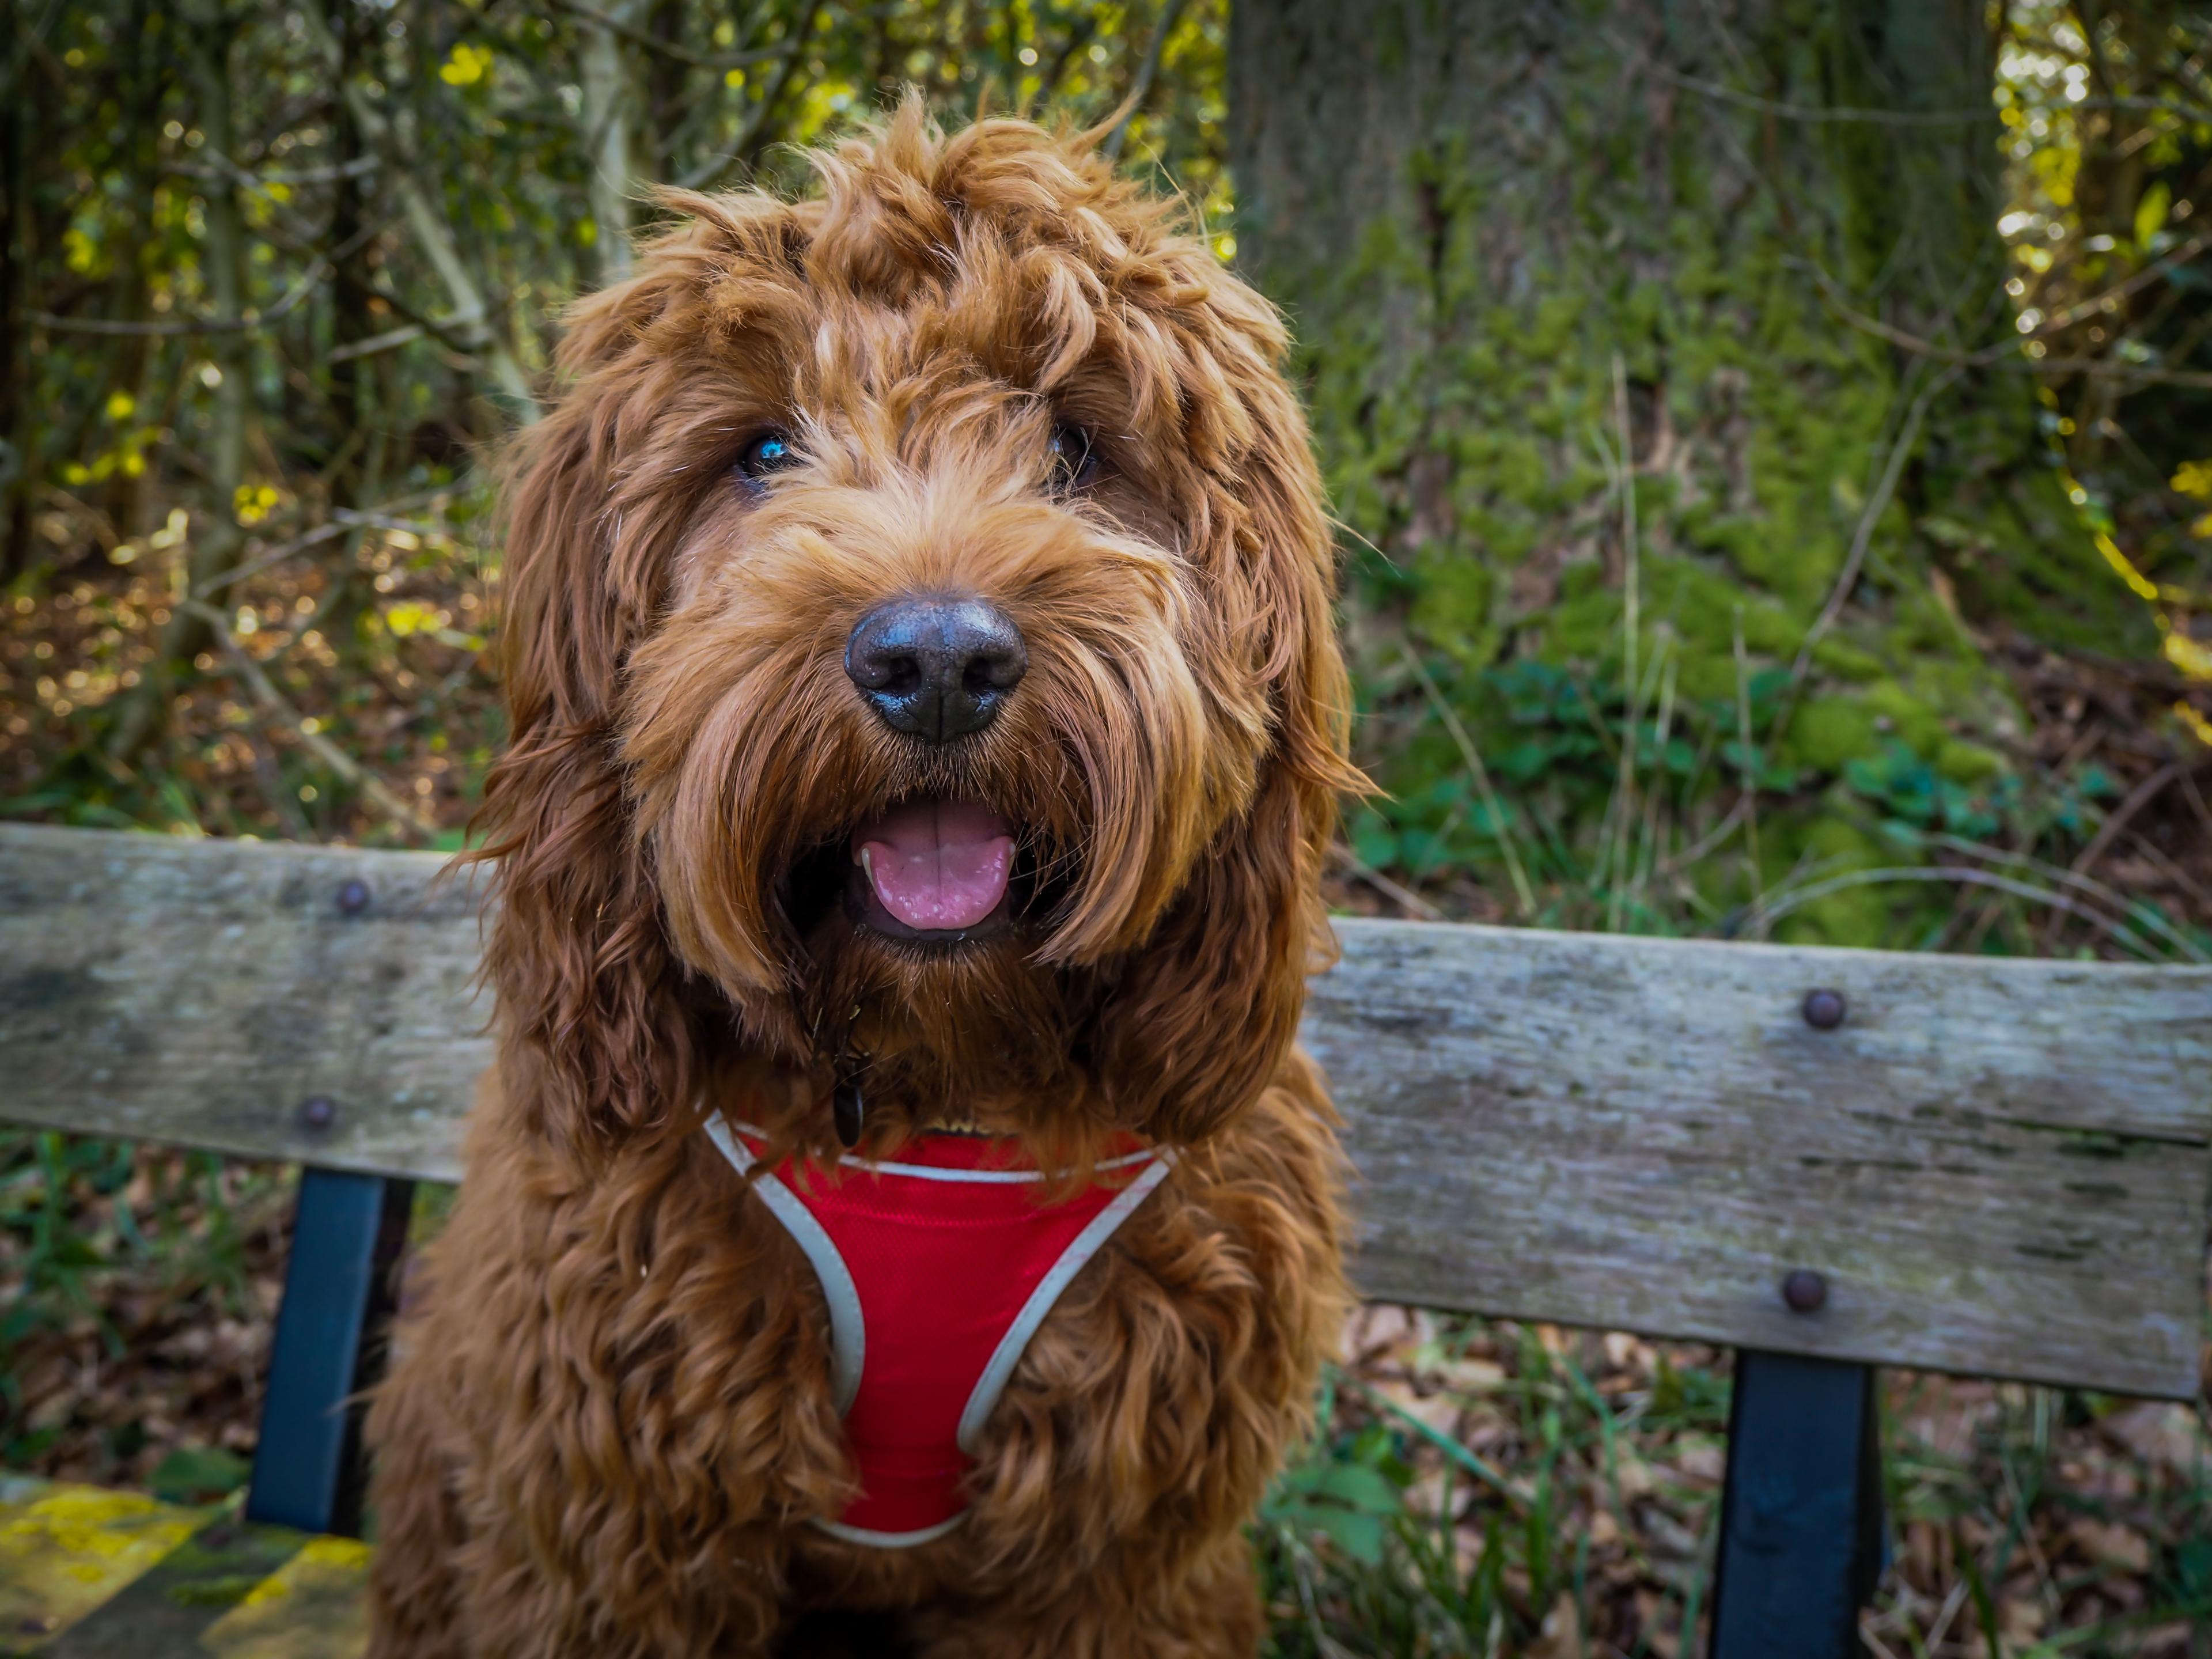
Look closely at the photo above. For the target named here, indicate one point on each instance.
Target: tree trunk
(217, 542)
(22, 100)
(1516, 236)
(610, 116)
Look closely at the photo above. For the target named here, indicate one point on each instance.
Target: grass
(1489, 1489)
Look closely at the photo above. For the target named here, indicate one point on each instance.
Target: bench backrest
(1997, 1167)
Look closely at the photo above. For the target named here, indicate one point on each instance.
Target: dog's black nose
(936, 668)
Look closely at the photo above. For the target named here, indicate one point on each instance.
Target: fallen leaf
(2108, 1542)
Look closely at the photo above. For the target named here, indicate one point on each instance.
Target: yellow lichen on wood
(65, 1550)
(314, 1606)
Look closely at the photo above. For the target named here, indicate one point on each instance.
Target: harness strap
(937, 1270)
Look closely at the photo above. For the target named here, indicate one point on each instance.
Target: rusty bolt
(1805, 1291)
(1823, 1010)
(353, 897)
(318, 1112)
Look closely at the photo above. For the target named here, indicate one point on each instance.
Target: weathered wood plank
(203, 991)
(1999, 1167)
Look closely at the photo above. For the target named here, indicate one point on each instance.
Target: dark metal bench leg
(1801, 1536)
(328, 1347)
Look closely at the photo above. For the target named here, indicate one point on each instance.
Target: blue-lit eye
(1074, 457)
(768, 452)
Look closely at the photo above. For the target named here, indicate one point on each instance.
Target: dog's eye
(769, 453)
(1074, 457)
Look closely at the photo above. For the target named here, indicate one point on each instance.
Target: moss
(1910, 718)
(1968, 762)
(1460, 354)
(1859, 915)
(1829, 732)
(1452, 604)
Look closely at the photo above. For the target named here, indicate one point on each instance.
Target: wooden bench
(1829, 1160)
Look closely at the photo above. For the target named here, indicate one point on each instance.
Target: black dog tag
(845, 1108)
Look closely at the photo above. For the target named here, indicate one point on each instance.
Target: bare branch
(250, 321)
(373, 789)
(652, 43)
(1141, 88)
(1819, 113)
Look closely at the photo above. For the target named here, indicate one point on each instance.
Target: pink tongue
(937, 865)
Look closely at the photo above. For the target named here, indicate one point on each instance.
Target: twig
(1141, 88)
(637, 37)
(1712, 839)
(373, 788)
(1383, 884)
(2196, 801)
(710, 171)
(389, 340)
(251, 320)
(275, 555)
(421, 528)
(1797, 900)
(1839, 112)
(1863, 537)
(1647, 850)
(358, 167)
(2006, 354)
(1750, 758)
(434, 235)
(2117, 820)
(1522, 891)
(1623, 808)
(2150, 273)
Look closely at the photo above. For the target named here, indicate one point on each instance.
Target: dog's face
(932, 575)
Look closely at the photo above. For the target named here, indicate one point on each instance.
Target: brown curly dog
(927, 731)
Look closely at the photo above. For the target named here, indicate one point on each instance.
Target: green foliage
(199, 1475)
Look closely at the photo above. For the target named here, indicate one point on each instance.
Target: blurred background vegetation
(1773, 445)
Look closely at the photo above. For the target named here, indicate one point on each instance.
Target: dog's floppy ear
(1203, 1014)
(600, 1032)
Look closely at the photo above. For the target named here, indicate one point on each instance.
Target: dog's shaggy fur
(610, 1420)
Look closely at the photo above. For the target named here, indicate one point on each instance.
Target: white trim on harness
(932, 1172)
(888, 1540)
(1008, 1354)
(848, 1338)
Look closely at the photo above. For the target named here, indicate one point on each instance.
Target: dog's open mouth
(933, 868)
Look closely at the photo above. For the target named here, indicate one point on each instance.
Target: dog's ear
(600, 1033)
(1201, 1016)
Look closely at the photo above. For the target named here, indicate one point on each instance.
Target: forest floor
(1478, 1486)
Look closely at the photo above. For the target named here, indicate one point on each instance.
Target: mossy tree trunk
(1513, 233)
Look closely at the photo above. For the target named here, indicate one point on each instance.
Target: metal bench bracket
(1802, 1534)
(328, 1347)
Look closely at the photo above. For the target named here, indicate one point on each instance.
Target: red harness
(937, 1269)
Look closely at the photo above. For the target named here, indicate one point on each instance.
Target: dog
(900, 1192)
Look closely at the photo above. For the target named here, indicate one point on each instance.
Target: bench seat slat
(1999, 1166)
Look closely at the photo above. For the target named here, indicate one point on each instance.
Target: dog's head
(920, 661)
